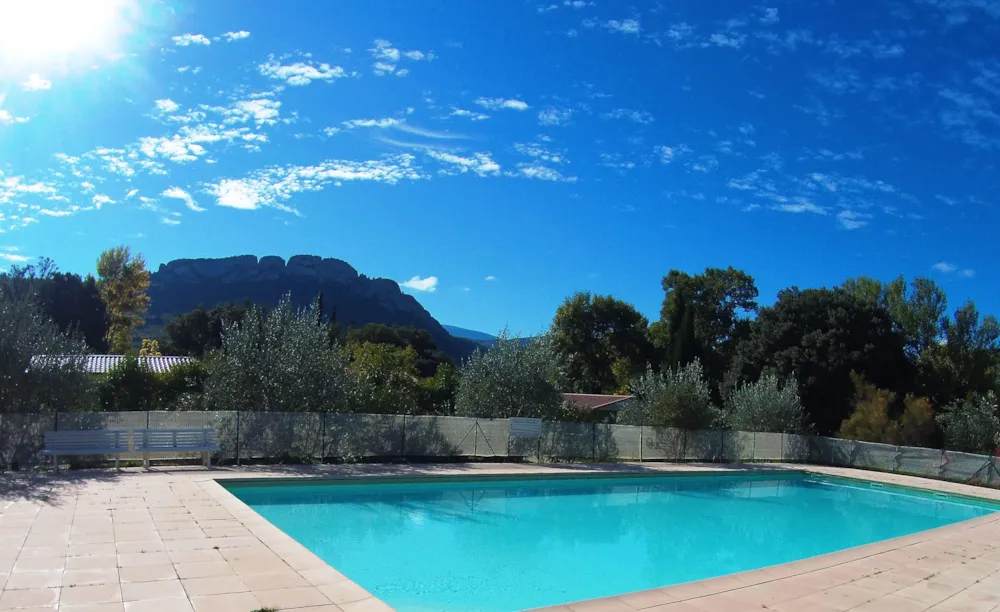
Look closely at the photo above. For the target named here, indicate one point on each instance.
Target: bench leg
(206, 461)
(118, 460)
(55, 462)
(145, 460)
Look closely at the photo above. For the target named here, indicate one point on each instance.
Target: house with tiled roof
(102, 364)
(595, 401)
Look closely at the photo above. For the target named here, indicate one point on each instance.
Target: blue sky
(499, 156)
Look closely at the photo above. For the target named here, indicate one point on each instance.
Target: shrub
(870, 421)
(674, 398)
(182, 386)
(55, 379)
(917, 426)
(279, 361)
(972, 425)
(766, 405)
(510, 379)
(129, 385)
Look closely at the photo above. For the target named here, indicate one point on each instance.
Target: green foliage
(972, 425)
(818, 337)
(130, 385)
(199, 332)
(510, 379)
(968, 361)
(55, 380)
(916, 425)
(383, 378)
(871, 420)
(123, 284)
(719, 301)
(73, 303)
(673, 398)
(182, 386)
(280, 361)
(684, 345)
(600, 343)
(916, 309)
(420, 340)
(438, 392)
(766, 405)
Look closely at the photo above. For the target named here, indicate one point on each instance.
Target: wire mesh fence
(313, 437)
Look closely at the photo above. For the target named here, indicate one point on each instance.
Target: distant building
(595, 401)
(102, 364)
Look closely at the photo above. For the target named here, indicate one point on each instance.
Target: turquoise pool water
(497, 546)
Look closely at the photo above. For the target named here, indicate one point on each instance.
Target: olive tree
(673, 398)
(766, 405)
(278, 361)
(510, 379)
(972, 425)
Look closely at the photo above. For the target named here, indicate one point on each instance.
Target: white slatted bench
(86, 442)
(149, 441)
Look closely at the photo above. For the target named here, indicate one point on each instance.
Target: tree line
(868, 360)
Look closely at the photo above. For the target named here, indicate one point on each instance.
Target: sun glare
(39, 31)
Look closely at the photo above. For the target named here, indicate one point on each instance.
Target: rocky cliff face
(184, 284)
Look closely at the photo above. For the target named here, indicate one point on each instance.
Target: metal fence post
(722, 446)
(642, 435)
(322, 439)
(593, 442)
(684, 444)
(475, 439)
(237, 437)
(753, 448)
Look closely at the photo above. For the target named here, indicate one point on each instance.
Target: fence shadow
(51, 488)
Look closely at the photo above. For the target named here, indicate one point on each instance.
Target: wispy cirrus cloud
(10, 254)
(851, 220)
(468, 114)
(628, 114)
(624, 26)
(186, 40)
(177, 193)
(481, 164)
(417, 283)
(502, 103)
(950, 269)
(555, 116)
(387, 58)
(375, 123)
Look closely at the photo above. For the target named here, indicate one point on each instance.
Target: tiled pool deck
(174, 540)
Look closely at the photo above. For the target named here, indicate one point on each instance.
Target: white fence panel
(767, 446)
(703, 445)
(626, 439)
(795, 448)
(662, 443)
(874, 456)
(351, 436)
(494, 435)
(965, 467)
(919, 461)
(832, 451)
(434, 436)
(568, 440)
(737, 446)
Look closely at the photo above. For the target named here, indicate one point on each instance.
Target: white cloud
(301, 73)
(275, 185)
(185, 40)
(377, 123)
(540, 152)
(179, 194)
(387, 56)
(461, 112)
(801, 206)
(6, 118)
(240, 35)
(35, 83)
(10, 253)
(414, 55)
(732, 40)
(850, 220)
(169, 221)
(555, 116)
(419, 131)
(166, 105)
(263, 111)
(499, 103)
(542, 173)
(490, 278)
(945, 267)
(481, 164)
(770, 16)
(635, 116)
(416, 283)
(101, 199)
(330, 131)
(666, 154)
(625, 26)
(384, 50)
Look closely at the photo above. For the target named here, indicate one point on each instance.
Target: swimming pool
(507, 544)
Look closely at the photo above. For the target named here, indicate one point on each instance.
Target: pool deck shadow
(174, 539)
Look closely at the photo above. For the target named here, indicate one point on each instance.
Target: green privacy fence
(302, 436)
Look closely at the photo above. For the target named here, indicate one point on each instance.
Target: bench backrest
(91, 441)
(179, 439)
